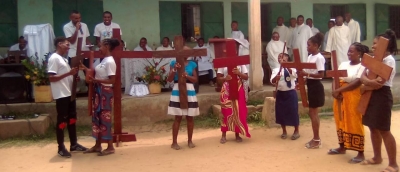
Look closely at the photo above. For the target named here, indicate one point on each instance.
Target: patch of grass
(43, 139)
(256, 119)
(255, 102)
(396, 107)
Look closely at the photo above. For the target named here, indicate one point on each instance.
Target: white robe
(166, 61)
(274, 48)
(314, 30)
(204, 63)
(134, 67)
(283, 32)
(289, 35)
(355, 32)
(325, 40)
(339, 40)
(300, 36)
(237, 35)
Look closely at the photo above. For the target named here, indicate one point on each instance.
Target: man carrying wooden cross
(232, 72)
(377, 114)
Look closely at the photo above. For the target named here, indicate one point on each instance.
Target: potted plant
(36, 73)
(154, 76)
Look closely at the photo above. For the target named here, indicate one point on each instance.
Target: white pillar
(227, 18)
(256, 79)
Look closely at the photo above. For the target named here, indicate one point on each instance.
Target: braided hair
(111, 42)
(317, 39)
(362, 49)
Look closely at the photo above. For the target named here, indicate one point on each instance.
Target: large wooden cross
(299, 66)
(75, 62)
(336, 73)
(118, 54)
(226, 56)
(375, 68)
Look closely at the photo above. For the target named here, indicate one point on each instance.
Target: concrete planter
(24, 127)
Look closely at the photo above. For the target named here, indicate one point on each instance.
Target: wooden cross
(375, 68)
(118, 53)
(299, 66)
(336, 73)
(75, 62)
(226, 56)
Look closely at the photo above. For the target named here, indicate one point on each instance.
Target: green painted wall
(140, 18)
(31, 12)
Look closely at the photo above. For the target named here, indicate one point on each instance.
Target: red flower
(163, 68)
(147, 68)
(62, 125)
(32, 63)
(156, 63)
(157, 77)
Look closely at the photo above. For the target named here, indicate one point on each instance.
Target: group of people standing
(349, 127)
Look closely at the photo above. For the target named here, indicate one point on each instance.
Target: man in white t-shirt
(61, 77)
(20, 46)
(73, 30)
(105, 30)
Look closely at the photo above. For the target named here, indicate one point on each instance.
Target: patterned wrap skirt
(234, 111)
(350, 129)
(102, 108)
(174, 104)
(379, 110)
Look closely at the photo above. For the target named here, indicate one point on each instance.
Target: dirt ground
(265, 151)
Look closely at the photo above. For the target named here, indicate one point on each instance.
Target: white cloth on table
(299, 39)
(355, 32)
(139, 90)
(41, 39)
(339, 40)
(134, 67)
(274, 48)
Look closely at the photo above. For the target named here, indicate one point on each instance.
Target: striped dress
(174, 105)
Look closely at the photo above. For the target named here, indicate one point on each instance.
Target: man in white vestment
(166, 60)
(292, 26)
(300, 36)
(331, 23)
(354, 26)
(236, 33)
(204, 62)
(339, 40)
(134, 67)
(20, 46)
(281, 29)
(104, 30)
(274, 48)
(314, 30)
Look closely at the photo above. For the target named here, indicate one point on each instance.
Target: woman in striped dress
(174, 104)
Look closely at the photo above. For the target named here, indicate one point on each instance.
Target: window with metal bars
(190, 21)
(394, 19)
(338, 10)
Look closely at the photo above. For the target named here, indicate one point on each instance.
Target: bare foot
(223, 140)
(175, 146)
(191, 145)
(239, 139)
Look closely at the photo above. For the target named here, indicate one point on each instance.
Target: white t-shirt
(353, 71)
(106, 68)
(242, 69)
(104, 32)
(391, 62)
(15, 47)
(69, 30)
(319, 60)
(58, 65)
(282, 86)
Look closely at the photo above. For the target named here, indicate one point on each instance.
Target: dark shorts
(379, 110)
(315, 93)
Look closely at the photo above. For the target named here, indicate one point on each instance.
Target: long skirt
(234, 112)
(174, 107)
(102, 107)
(379, 111)
(286, 108)
(350, 130)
